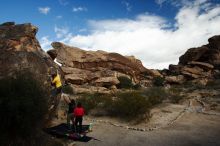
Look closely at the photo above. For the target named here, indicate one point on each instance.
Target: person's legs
(80, 124)
(57, 98)
(53, 92)
(69, 115)
(73, 125)
(59, 90)
(76, 123)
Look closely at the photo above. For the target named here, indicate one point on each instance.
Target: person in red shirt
(78, 114)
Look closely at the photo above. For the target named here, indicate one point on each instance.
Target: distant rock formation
(198, 65)
(20, 51)
(209, 53)
(97, 70)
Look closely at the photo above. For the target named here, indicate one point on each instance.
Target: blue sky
(61, 12)
(151, 30)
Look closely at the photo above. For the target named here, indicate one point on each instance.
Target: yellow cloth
(57, 81)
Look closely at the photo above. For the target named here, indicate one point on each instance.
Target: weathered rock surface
(201, 64)
(90, 89)
(106, 81)
(20, 51)
(175, 79)
(97, 68)
(100, 68)
(209, 53)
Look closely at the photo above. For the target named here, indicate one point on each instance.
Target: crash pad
(62, 131)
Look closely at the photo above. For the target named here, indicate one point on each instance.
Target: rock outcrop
(199, 65)
(209, 53)
(97, 68)
(20, 51)
(101, 69)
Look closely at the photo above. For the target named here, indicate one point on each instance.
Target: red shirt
(78, 111)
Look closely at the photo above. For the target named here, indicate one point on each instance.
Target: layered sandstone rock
(199, 64)
(20, 51)
(209, 53)
(175, 79)
(97, 68)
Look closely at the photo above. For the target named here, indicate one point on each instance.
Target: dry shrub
(23, 107)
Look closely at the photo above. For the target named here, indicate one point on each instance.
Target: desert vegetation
(67, 89)
(130, 105)
(124, 83)
(158, 81)
(23, 107)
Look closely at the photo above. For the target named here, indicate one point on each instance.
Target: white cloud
(45, 42)
(149, 37)
(127, 5)
(44, 10)
(83, 30)
(59, 17)
(79, 9)
(61, 32)
(63, 2)
(180, 3)
(160, 2)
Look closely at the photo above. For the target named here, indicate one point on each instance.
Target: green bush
(23, 107)
(155, 95)
(131, 106)
(125, 83)
(90, 101)
(158, 81)
(137, 86)
(175, 94)
(215, 84)
(128, 106)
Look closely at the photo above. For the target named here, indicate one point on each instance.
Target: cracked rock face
(20, 51)
(209, 53)
(97, 68)
(199, 64)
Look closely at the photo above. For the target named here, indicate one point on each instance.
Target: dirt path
(192, 129)
(171, 125)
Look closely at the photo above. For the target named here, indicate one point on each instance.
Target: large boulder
(203, 65)
(214, 42)
(21, 52)
(175, 69)
(107, 81)
(193, 54)
(175, 79)
(90, 89)
(209, 53)
(199, 64)
(196, 72)
(97, 68)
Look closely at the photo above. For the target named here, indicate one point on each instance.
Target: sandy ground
(191, 123)
(192, 129)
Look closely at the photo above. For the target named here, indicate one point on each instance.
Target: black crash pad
(62, 131)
